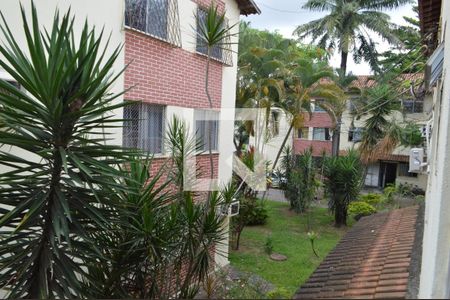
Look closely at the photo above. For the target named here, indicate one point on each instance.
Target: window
(158, 18)
(412, 106)
(144, 127)
(220, 52)
(275, 123)
(203, 119)
(403, 170)
(321, 134)
(303, 133)
(317, 107)
(355, 134)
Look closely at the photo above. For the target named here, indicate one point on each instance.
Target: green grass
(289, 234)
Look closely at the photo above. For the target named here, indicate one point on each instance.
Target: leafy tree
(55, 198)
(343, 176)
(344, 28)
(407, 56)
(301, 184)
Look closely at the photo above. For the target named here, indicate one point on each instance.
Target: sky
(285, 15)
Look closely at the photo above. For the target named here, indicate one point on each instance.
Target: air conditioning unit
(416, 160)
(231, 209)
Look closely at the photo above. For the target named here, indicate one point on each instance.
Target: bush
(257, 213)
(389, 192)
(279, 293)
(372, 199)
(361, 209)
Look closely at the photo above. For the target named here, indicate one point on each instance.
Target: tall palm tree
(302, 82)
(345, 27)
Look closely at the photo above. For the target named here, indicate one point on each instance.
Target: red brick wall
(318, 146)
(206, 3)
(318, 119)
(167, 75)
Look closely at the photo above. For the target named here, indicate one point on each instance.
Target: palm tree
(302, 82)
(344, 28)
(212, 32)
(335, 107)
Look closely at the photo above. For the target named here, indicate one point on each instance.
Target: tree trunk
(282, 146)
(340, 216)
(344, 56)
(336, 138)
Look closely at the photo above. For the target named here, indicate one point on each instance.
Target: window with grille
(355, 134)
(158, 18)
(222, 51)
(321, 134)
(403, 170)
(203, 120)
(303, 133)
(412, 106)
(144, 127)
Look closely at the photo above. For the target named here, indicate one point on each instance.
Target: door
(388, 173)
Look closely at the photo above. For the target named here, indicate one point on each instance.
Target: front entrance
(388, 173)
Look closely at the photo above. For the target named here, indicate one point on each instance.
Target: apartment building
(165, 74)
(435, 272)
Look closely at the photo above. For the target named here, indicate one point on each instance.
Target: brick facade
(162, 74)
(206, 3)
(318, 119)
(318, 147)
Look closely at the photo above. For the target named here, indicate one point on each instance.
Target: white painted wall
(434, 278)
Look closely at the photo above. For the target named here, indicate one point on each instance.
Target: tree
(301, 184)
(56, 198)
(213, 32)
(408, 56)
(344, 28)
(343, 176)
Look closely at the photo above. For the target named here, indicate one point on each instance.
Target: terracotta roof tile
(371, 261)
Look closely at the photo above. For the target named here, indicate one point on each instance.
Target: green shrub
(389, 192)
(268, 246)
(372, 199)
(279, 293)
(257, 212)
(360, 209)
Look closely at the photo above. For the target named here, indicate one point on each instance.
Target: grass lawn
(289, 236)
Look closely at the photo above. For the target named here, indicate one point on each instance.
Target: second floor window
(321, 134)
(158, 18)
(318, 107)
(203, 120)
(144, 127)
(222, 51)
(303, 133)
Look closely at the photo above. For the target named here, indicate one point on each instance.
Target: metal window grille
(221, 52)
(158, 18)
(403, 170)
(321, 134)
(144, 127)
(202, 119)
(412, 106)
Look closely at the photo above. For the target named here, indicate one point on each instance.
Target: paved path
(274, 194)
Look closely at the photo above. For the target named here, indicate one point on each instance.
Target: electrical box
(231, 209)
(416, 158)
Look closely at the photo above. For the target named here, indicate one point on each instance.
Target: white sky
(286, 15)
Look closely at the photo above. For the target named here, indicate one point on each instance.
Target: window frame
(326, 133)
(300, 132)
(142, 142)
(203, 116)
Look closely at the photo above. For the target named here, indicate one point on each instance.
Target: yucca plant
(57, 173)
(343, 176)
(213, 32)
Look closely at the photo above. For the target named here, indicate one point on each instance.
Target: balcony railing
(412, 106)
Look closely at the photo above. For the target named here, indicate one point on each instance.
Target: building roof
(248, 7)
(373, 260)
(429, 15)
(368, 81)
